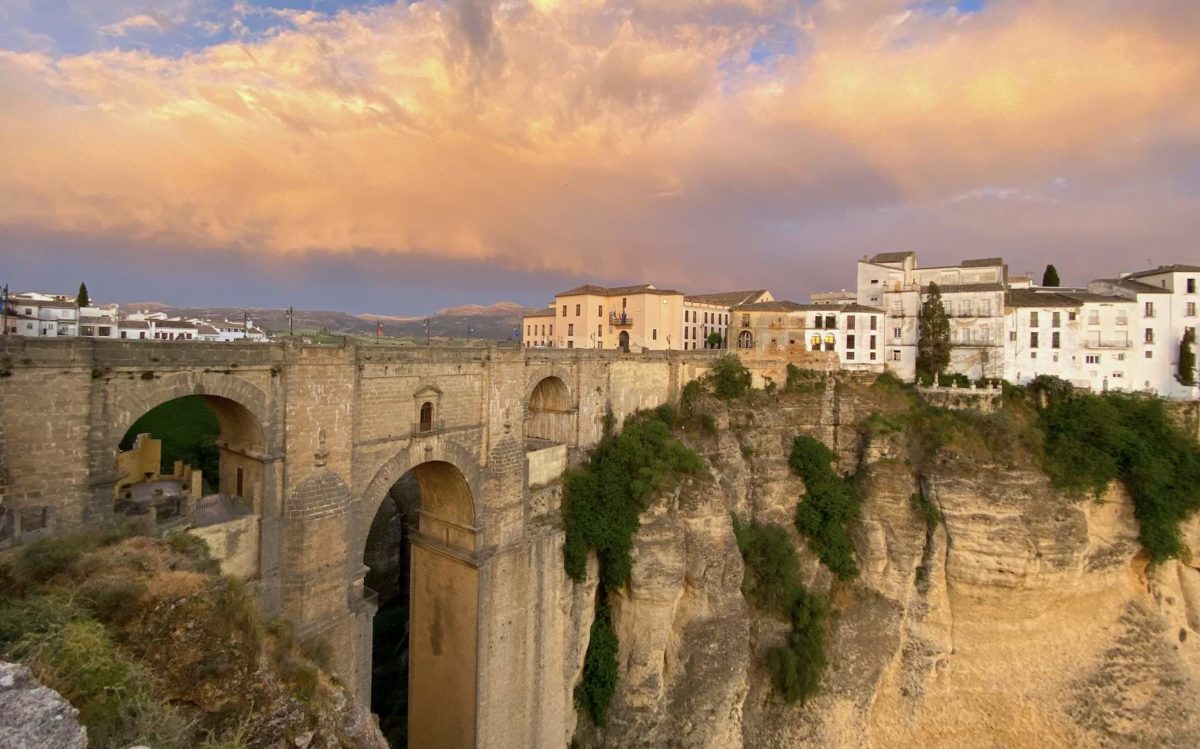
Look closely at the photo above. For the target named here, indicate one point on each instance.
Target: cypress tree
(1050, 277)
(933, 341)
(1187, 357)
(82, 299)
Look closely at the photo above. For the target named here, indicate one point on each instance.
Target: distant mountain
(492, 322)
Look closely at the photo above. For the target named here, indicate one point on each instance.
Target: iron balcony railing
(621, 320)
(1103, 344)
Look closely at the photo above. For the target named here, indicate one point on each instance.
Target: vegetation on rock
(153, 648)
(772, 583)
(831, 502)
(602, 504)
(1187, 357)
(728, 377)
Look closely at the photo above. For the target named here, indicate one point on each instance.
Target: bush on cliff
(729, 377)
(772, 583)
(595, 690)
(830, 504)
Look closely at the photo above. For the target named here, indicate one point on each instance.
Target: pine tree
(1187, 357)
(933, 341)
(1050, 277)
(82, 299)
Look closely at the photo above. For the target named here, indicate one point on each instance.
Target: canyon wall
(1023, 618)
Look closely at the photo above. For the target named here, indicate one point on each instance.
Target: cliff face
(1023, 618)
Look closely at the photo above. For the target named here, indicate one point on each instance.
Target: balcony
(1095, 343)
(620, 321)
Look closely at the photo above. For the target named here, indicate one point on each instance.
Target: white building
(807, 334)
(973, 295)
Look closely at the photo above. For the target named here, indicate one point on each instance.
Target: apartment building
(818, 336)
(39, 315)
(538, 328)
(972, 293)
(707, 314)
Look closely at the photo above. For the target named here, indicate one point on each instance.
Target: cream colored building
(705, 314)
(814, 336)
(538, 328)
(632, 318)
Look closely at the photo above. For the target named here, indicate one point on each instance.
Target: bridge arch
(418, 553)
(550, 413)
(239, 475)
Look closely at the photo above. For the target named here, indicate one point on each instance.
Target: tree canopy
(1187, 357)
(933, 340)
(1050, 277)
(82, 299)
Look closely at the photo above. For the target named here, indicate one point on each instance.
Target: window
(896, 333)
(599, 310)
(1056, 319)
(745, 319)
(985, 308)
(1012, 336)
(874, 321)
(551, 328)
(1054, 340)
(599, 330)
(1150, 354)
(1149, 335)
(820, 322)
(1118, 375)
(1092, 359)
(1033, 340)
(830, 322)
(966, 307)
(1122, 317)
(1033, 319)
(745, 339)
(570, 328)
(1149, 309)
(849, 341)
(873, 343)
(1190, 309)
(564, 310)
(849, 355)
(895, 356)
(1121, 356)
(654, 334)
(578, 309)
(623, 301)
(1191, 286)
(872, 356)
(849, 322)
(1070, 317)
(241, 483)
(1094, 317)
(897, 310)
(570, 344)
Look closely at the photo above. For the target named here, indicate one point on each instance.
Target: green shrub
(691, 392)
(926, 510)
(796, 668)
(603, 501)
(112, 600)
(803, 380)
(830, 505)
(772, 583)
(708, 423)
(1093, 439)
(595, 690)
(729, 378)
(772, 578)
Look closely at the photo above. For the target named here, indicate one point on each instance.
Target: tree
(714, 340)
(1050, 277)
(933, 339)
(82, 299)
(1187, 357)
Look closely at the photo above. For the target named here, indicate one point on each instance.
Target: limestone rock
(33, 716)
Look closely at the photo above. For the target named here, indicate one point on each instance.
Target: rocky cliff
(1021, 617)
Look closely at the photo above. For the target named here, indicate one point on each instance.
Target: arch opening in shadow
(548, 419)
(197, 455)
(419, 555)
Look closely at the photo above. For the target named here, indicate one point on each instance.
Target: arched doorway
(745, 339)
(548, 419)
(197, 455)
(420, 559)
(623, 341)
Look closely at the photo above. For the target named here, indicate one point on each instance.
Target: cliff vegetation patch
(830, 505)
(772, 584)
(602, 505)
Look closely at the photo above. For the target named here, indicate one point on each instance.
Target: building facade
(813, 336)
(707, 315)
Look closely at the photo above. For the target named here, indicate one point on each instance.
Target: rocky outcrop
(33, 716)
(1023, 618)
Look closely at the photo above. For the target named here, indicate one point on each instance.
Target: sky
(397, 157)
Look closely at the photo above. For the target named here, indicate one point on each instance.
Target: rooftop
(1138, 287)
(891, 257)
(1166, 269)
(726, 298)
(1033, 298)
(595, 290)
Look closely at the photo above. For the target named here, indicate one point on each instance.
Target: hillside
(489, 322)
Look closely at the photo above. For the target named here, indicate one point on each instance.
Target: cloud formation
(640, 139)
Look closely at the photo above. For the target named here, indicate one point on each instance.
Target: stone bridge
(316, 437)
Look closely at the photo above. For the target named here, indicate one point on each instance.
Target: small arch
(623, 341)
(550, 412)
(745, 339)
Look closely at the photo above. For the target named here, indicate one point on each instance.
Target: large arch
(550, 413)
(422, 533)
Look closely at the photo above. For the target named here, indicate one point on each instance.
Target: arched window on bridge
(427, 417)
(745, 339)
